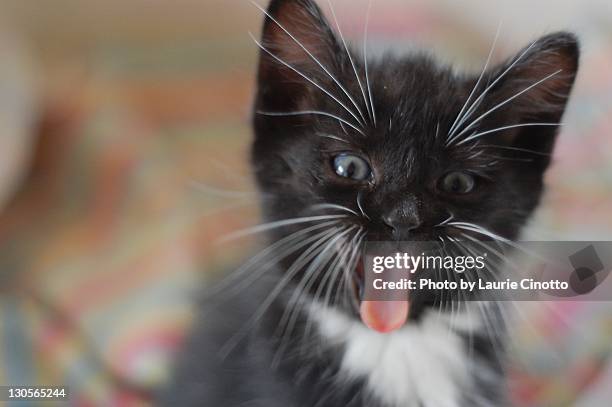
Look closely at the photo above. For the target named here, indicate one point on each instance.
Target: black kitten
(348, 151)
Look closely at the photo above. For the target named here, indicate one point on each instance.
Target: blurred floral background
(124, 136)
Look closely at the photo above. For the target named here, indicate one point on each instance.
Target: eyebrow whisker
(311, 112)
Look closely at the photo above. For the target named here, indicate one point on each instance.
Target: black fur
(416, 101)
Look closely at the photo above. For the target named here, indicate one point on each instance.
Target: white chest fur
(421, 364)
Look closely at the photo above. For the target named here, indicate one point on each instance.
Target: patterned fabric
(139, 167)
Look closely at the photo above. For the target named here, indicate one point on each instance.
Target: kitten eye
(458, 183)
(353, 167)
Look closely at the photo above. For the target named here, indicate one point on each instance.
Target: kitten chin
(349, 150)
(422, 364)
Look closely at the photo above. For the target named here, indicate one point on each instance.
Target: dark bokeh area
(124, 137)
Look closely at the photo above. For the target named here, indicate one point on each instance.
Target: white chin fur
(424, 364)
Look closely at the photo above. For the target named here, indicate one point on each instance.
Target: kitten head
(391, 149)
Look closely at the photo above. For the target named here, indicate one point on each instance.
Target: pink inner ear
(556, 84)
(308, 31)
(555, 55)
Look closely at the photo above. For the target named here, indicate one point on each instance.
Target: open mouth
(381, 315)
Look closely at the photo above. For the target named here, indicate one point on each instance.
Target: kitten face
(399, 144)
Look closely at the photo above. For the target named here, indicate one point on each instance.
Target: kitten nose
(403, 219)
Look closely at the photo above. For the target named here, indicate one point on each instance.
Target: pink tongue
(384, 316)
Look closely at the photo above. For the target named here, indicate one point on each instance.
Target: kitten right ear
(538, 84)
(295, 36)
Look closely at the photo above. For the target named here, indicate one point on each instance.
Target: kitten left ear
(537, 86)
(296, 42)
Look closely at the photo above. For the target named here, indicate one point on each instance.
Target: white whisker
(328, 280)
(334, 206)
(312, 112)
(336, 269)
(329, 136)
(365, 60)
(282, 248)
(304, 258)
(314, 269)
(479, 229)
(350, 266)
(348, 53)
(524, 150)
(333, 78)
(501, 104)
(484, 69)
(475, 136)
(488, 89)
(343, 128)
(360, 206)
(445, 222)
(281, 61)
(476, 154)
(472, 227)
(278, 224)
